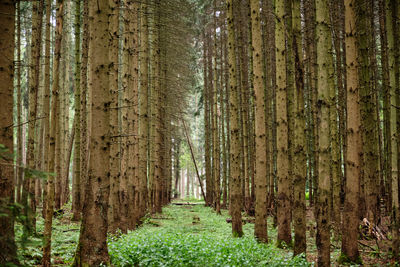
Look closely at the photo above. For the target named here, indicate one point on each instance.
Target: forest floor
(187, 235)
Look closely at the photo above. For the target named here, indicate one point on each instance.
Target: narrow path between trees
(193, 235)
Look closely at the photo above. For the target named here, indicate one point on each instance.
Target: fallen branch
(365, 245)
(374, 230)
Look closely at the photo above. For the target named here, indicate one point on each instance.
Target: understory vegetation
(187, 235)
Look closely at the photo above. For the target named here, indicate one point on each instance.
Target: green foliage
(345, 260)
(208, 242)
(64, 239)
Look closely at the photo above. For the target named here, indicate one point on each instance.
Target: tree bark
(350, 211)
(92, 246)
(235, 194)
(8, 249)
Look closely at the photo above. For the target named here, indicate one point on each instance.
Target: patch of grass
(208, 242)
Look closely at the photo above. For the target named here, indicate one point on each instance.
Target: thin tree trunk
(76, 180)
(46, 260)
(143, 110)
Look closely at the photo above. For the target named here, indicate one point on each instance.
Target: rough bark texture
(350, 211)
(262, 166)
(7, 242)
(115, 175)
(392, 24)
(206, 124)
(325, 85)
(216, 143)
(283, 198)
(76, 182)
(83, 104)
(143, 109)
(235, 193)
(299, 153)
(46, 260)
(92, 246)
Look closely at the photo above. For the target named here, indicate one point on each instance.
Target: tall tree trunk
(29, 183)
(115, 175)
(83, 104)
(18, 69)
(8, 249)
(392, 19)
(143, 109)
(299, 153)
(46, 260)
(92, 246)
(216, 143)
(134, 183)
(235, 193)
(262, 151)
(283, 198)
(46, 104)
(350, 211)
(370, 164)
(76, 180)
(325, 86)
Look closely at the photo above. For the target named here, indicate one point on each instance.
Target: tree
(235, 194)
(54, 124)
(29, 182)
(76, 182)
(325, 85)
(92, 246)
(262, 165)
(350, 211)
(215, 114)
(143, 109)
(115, 174)
(299, 153)
(283, 204)
(8, 248)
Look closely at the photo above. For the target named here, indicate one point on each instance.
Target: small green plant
(208, 242)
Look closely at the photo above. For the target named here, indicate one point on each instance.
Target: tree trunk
(115, 174)
(92, 246)
(350, 211)
(299, 153)
(83, 104)
(283, 198)
(46, 260)
(262, 151)
(235, 194)
(143, 110)
(325, 86)
(8, 249)
(76, 180)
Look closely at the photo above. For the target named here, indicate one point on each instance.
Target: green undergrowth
(65, 236)
(194, 236)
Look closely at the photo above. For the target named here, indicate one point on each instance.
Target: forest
(199, 132)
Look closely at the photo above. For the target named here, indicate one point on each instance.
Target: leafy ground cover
(188, 235)
(193, 235)
(65, 236)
